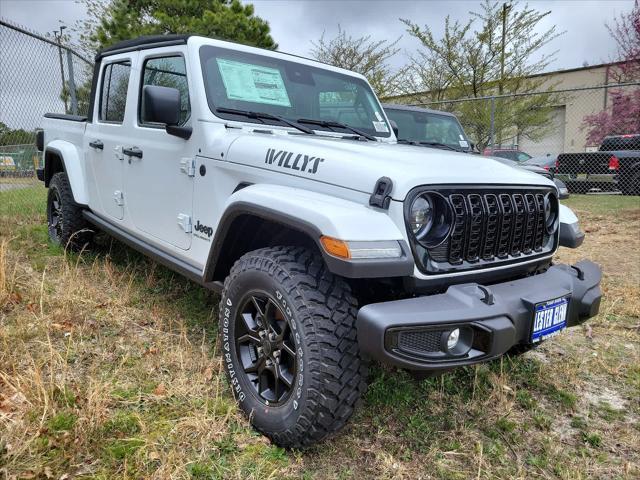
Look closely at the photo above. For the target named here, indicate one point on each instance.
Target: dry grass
(108, 369)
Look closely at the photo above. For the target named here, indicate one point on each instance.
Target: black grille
(420, 341)
(491, 226)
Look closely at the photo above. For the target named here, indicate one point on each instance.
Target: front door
(102, 139)
(158, 183)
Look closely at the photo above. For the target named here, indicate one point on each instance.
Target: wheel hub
(266, 348)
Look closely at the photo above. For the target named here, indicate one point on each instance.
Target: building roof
(543, 74)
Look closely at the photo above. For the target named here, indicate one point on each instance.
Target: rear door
(159, 184)
(103, 137)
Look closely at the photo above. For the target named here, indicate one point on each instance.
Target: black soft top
(143, 42)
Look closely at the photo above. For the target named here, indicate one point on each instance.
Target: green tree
(8, 136)
(110, 21)
(363, 55)
(497, 51)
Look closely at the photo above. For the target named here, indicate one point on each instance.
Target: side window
(113, 93)
(167, 72)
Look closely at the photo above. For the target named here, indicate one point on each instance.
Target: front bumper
(499, 315)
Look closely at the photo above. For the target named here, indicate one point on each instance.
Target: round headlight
(420, 216)
(550, 213)
(429, 217)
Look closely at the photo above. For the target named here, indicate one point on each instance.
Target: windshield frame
(208, 52)
(439, 115)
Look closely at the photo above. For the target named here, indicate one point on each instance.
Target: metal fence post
(72, 84)
(492, 126)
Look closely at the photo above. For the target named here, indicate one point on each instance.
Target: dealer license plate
(549, 319)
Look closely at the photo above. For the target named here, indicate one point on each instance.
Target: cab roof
(144, 42)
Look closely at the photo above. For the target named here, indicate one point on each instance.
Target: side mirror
(394, 127)
(162, 105)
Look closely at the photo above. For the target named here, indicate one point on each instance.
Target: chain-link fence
(588, 137)
(37, 75)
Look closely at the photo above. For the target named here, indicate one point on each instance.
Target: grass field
(109, 369)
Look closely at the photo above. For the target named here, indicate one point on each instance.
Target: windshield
(429, 127)
(258, 83)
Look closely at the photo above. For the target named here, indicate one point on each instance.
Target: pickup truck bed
(605, 170)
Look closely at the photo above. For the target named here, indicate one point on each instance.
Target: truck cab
(277, 181)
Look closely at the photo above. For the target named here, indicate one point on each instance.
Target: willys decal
(293, 161)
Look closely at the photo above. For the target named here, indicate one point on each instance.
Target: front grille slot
(519, 217)
(457, 240)
(490, 226)
(476, 224)
(538, 237)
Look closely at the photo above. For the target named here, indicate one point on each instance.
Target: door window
(166, 72)
(113, 94)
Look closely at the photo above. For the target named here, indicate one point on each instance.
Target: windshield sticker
(381, 127)
(253, 83)
(378, 116)
(292, 161)
(464, 143)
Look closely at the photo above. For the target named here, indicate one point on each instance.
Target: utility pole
(505, 10)
(58, 36)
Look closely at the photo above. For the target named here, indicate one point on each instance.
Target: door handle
(97, 144)
(132, 152)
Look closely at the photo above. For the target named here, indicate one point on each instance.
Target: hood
(523, 165)
(358, 164)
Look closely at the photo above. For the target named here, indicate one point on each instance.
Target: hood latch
(381, 195)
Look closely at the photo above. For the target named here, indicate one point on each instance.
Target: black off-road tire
(321, 311)
(632, 184)
(67, 227)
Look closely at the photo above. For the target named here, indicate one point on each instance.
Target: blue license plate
(550, 317)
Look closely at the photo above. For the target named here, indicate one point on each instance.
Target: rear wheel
(632, 185)
(288, 336)
(67, 226)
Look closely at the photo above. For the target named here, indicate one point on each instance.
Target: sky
(296, 23)
(28, 88)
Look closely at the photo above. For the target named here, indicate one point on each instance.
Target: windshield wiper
(404, 141)
(265, 116)
(331, 125)
(440, 145)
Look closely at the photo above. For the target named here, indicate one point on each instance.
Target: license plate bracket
(549, 318)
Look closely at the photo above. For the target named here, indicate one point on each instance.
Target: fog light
(456, 342)
(452, 339)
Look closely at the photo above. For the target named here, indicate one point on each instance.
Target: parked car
(548, 162)
(508, 153)
(432, 128)
(277, 182)
(615, 166)
(7, 166)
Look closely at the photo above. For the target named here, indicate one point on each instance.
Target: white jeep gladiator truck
(277, 181)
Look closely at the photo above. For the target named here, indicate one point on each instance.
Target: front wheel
(288, 336)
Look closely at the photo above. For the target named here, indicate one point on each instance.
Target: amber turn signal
(335, 247)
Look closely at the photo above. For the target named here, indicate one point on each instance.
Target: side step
(175, 264)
